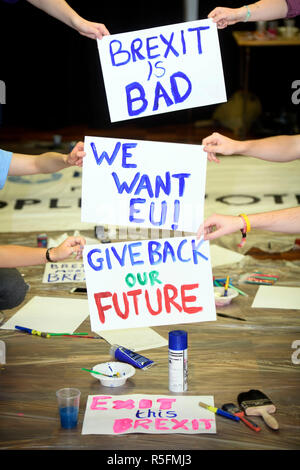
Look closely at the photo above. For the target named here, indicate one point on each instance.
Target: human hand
(226, 16)
(218, 143)
(89, 29)
(75, 157)
(217, 225)
(67, 248)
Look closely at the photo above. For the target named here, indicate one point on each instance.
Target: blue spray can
(178, 363)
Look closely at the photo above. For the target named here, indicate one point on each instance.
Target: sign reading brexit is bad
(162, 69)
(143, 184)
(149, 283)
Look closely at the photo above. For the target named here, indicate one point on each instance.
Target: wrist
(240, 223)
(241, 13)
(246, 227)
(66, 159)
(242, 147)
(246, 13)
(76, 21)
(50, 255)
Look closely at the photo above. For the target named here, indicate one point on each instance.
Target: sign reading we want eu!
(162, 69)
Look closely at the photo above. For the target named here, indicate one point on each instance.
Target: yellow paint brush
(219, 411)
(226, 286)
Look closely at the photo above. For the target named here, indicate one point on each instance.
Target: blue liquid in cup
(68, 417)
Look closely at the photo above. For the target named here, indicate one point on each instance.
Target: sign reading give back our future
(162, 69)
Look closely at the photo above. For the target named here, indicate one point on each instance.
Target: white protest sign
(151, 414)
(64, 272)
(162, 69)
(149, 283)
(145, 184)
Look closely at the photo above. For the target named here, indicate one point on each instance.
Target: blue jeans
(13, 288)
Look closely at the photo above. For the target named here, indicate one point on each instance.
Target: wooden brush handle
(269, 420)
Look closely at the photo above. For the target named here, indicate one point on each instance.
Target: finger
(102, 31)
(219, 15)
(212, 139)
(75, 241)
(81, 241)
(207, 139)
(200, 231)
(212, 148)
(213, 13)
(89, 35)
(78, 242)
(105, 31)
(212, 235)
(222, 24)
(213, 158)
(76, 249)
(76, 252)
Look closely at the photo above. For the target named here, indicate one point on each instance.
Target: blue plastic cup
(68, 404)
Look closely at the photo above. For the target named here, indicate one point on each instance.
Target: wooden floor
(225, 358)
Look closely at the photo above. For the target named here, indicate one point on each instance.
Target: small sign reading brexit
(138, 183)
(149, 283)
(162, 69)
(150, 414)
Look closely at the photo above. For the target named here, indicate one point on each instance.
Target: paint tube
(131, 357)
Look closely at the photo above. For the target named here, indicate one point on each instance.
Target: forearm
(285, 220)
(59, 9)
(48, 162)
(217, 225)
(266, 10)
(283, 148)
(13, 256)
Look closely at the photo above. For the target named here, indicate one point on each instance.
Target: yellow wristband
(247, 225)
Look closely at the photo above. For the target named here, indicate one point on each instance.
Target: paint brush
(218, 411)
(68, 334)
(100, 373)
(33, 332)
(83, 337)
(232, 408)
(238, 290)
(230, 316)
(256, 403)
(226, 287)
